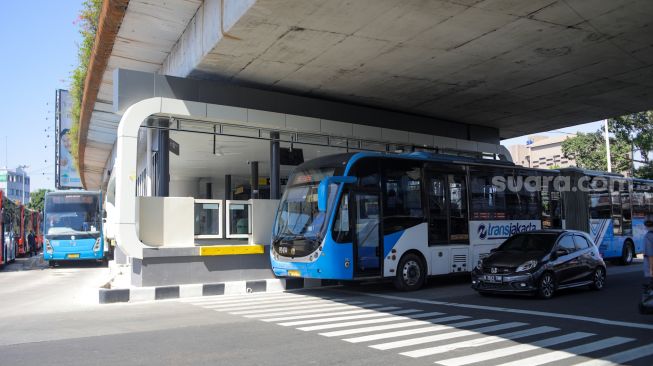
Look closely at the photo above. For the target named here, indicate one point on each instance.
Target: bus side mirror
(323, 190)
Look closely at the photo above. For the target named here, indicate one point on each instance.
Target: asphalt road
(47, 317)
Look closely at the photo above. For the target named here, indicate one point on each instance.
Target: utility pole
(607, 145)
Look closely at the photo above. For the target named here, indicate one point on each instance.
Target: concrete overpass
(510, 66)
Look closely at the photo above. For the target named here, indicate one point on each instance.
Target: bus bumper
(88, 255)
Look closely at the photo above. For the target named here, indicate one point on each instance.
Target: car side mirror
(560, 252)
(104, 214)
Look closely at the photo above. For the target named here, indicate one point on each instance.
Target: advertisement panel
(67, 175)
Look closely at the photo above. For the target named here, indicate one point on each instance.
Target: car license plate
(73, 256)
(493, 278)
(293, 273)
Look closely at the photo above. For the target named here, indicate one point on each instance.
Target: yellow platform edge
(231, 250)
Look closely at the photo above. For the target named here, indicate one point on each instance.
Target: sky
(38, 51)
(585, 128)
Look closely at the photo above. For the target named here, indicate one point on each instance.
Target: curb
(136, 294)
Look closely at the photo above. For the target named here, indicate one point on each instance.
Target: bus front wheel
(627, 253)
(411, 273)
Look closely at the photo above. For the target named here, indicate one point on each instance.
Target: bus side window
(402, 196)
(341, 226)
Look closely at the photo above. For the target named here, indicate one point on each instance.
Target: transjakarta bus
(402, 216)
(73, 226)
(615, 207)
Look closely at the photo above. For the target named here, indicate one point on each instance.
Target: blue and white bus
(617, 210)
(402, 216)
(408, 216)
(73, 227)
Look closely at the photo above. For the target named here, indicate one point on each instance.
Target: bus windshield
(70, 214)
(298, 214)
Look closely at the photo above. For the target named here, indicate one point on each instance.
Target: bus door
(367, 234)
(448, 212)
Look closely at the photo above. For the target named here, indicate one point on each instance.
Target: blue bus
(617, 207)
(404, 217)
(366, 215)
(73, 227)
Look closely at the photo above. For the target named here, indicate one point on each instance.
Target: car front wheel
(546, 286)
(598, 279)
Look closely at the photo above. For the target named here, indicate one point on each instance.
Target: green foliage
(88, 24)
(37, 199)
(645, 171)
(590, 152)
(636, 130)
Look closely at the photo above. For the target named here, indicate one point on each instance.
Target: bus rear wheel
(411, 273)
(627, 253)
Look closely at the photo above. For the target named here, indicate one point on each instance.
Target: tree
(636, 130)
(589, 151)
(37, 199)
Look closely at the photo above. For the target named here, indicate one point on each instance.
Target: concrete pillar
(275, 166)
(254, 176)
(163, 190)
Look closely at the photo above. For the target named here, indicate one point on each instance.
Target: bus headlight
(96, 247)
(48, 247)
(526, 266)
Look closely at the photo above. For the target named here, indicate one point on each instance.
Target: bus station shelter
(194, 113)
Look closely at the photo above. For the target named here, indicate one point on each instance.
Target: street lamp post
(22, 169)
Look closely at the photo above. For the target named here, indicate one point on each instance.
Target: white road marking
(241, 298)
(479, 341)
(621, 357)
(508, 351)
(265, 304)
(369, 321)
(512, 311)
(321, 315)
(431, 329)
(445, 336)
(569, 352)
(413, 323)
(299, 307)
(351, 317)
(342, 306)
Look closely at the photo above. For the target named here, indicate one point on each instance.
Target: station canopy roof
(518, 66)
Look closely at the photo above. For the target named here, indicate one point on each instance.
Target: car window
(581, 242)
(566, 242)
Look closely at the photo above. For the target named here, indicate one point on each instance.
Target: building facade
(15, 184)
(541, 152)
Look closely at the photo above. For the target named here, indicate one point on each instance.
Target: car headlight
(526, 266)
(479, 265)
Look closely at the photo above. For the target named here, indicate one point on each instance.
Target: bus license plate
(293, 273)
(73, 256)
(493, 278)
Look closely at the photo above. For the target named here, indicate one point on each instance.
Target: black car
(540, 262)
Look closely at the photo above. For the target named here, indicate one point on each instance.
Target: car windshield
(540, 242)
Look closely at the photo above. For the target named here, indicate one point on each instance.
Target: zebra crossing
(445, 339)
